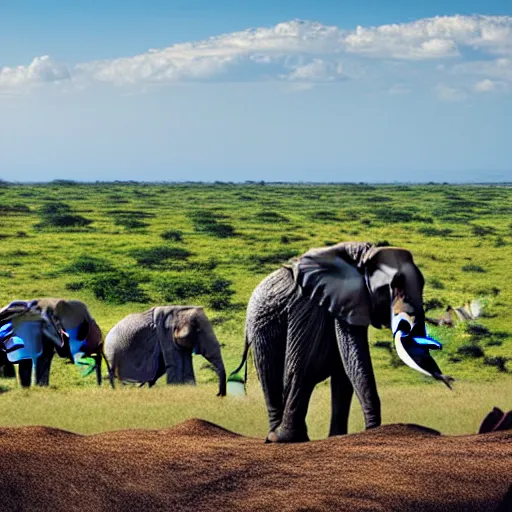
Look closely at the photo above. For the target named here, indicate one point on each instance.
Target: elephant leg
(269, 353)
(43, 365)
(341, 398)
(8, 371)
(25, 372)
(355, 354)
(293, 428)
(307, 356)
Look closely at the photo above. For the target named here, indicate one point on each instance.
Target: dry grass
(91, 410)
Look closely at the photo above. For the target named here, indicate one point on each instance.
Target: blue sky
(235, 90)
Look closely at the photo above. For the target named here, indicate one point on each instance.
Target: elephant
(144, 346)
(309, 320)
(50, 325)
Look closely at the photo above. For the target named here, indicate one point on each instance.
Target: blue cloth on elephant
(8, 340)
(29, 331)
(74, 343)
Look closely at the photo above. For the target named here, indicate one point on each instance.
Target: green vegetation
(125, 247)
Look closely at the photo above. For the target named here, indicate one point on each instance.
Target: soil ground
(202, 467)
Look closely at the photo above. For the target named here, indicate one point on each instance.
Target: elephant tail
(235, 376)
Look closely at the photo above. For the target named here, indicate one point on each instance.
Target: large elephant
(309, 321)
(161, 341)
(50, 325)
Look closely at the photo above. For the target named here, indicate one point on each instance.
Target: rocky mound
(200, 466)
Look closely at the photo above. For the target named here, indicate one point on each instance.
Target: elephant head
(364, 284)
(192, 331)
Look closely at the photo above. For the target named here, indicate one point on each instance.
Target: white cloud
(317, 70)
(446, 93)
(500, 69)
(40, 70)
(488, 85)
(297, 51)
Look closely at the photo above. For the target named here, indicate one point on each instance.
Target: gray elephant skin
(309, 320)
(143, 347)
(70, 315)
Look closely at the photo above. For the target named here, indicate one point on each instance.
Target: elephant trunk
(213, 355)
(221, 372)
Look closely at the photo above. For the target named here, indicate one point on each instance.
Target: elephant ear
(185, 327)
(330, 279)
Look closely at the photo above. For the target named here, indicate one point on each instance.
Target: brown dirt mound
(200, 466)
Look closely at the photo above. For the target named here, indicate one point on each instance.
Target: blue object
(74, 344)
(6, 330)
(431, 343)
(30, 334)
(12, 343)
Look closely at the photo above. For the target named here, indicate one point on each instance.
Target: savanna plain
(126, 247)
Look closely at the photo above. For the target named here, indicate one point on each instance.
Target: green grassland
(125, 247)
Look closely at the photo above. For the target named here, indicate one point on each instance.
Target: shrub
(494, 343)
(477, 330)
(117, 288)
(207, 222)
(285, 240)
(172, 235)
(184, 287)
(210, 264)
(158, 256)
(75, 286)
(89, 265)
(325, 215)
(436, 283)
(270, 217)
(499, 362)
(128, 223)
(378, 199)
(473, 268)
(430, 231)
(132, 213)
(482, 230)
(63, 221)
(470, 350)
(390, 215)
(14, 208)
(55, 208)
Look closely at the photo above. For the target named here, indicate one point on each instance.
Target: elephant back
(132, 349)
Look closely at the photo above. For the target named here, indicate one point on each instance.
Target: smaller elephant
(48, 325)
(142, 347)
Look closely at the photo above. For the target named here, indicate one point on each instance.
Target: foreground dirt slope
(199, 466)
